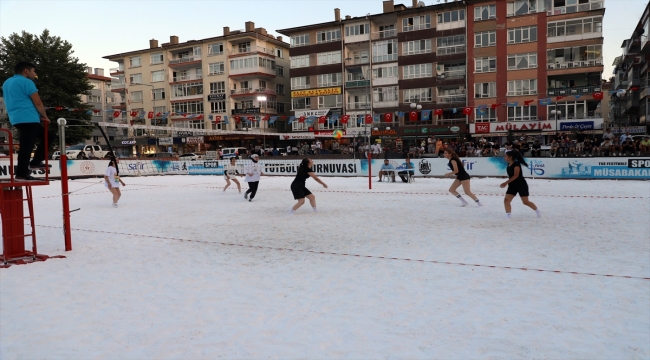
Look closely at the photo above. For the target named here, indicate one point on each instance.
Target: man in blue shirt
(26, 112)
(387, 166)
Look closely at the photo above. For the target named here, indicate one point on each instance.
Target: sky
(99, 28)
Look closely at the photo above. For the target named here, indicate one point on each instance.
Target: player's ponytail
(516, 156)
(304, 165)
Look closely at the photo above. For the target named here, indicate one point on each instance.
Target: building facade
(101, 99)
(235, 82)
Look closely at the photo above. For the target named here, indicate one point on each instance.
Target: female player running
(113, 181)
(516, 182)
(462, 177)
(300, 192)
(229, 172)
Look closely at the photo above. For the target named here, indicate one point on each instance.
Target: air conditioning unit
(551, 66)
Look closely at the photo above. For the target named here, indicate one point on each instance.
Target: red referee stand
(13, 197)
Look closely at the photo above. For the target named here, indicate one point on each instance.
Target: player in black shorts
(300, 192)
(516, 182)
(462, 177)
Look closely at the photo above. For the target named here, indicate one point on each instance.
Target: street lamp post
(261, 99)
(417, 107)
(153, 99)
(556, 113)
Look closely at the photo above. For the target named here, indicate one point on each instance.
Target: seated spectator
(463, 151)
(628, 147)
(644, 146)
(406, 165)
(536, 149)
(508, 146)
(564, 147)
(440, 148)
(496, 149)
(471, 150)
(523, 149)
(616, 146)
(587, 147)
(572, 148)
(606, 148)
(487, 149)
(555, 148)
(82, 155)
(275, 152)
(387, 166)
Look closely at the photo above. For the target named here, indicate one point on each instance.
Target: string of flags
(424, 115)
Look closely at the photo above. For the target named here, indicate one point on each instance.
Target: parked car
(233, 152)
(191, 156)
(160, 155)
(72, 151)
(56, 155)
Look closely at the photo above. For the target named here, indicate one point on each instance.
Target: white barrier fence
(553, 168)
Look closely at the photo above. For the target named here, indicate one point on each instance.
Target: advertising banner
(76, 168)
(316, 92)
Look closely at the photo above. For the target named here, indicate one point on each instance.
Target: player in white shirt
(113, 181)
(229, 172)
(253, 172)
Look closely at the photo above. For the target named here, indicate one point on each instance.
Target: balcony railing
(185, 59)
(255, 69)
(358, 106)
(357, 61)
(116, 86)
(449, 50)
(574, 64)
(576, 8)
(452, 74)
(577, 90)
(578, 115)
(119, 104)
(385, 34)
(187, 77)
(117, 70)
(449, 99)
(252, 91)
(450, 121)
(250, 50)
(357, 83)
(385, 103)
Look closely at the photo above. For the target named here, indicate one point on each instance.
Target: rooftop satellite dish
(421, 4)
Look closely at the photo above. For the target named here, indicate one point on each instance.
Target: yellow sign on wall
(316, 92)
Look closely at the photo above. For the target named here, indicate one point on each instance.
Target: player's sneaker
(114, 205)
(246, 196)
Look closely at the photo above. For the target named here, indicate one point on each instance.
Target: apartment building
(235, 82)
(376, 66)
(101, 99)
(532, 61)
(629, 99)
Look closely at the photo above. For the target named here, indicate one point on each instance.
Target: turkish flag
(237, 119)
(368, 119)
(58, 108)
(199, 117)
(388, 117)
(266, 118)
(251, 118)
(494, 106)
(560, 97)
(344, 119)
(438, 111)
(217, 119)
(116, 113)
(527, 102)
(150, 114)
(413, 116)
(301, 119)
(134, 113)
(131, 122)
(158, 114)
(597, 95)
(322, 119)
(467, 110)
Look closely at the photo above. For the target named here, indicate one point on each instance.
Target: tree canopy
(61, 78)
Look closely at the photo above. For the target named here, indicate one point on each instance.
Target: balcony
(453, 74)
(452, 99)
(356, 38)
(249, 51)
(250, 92)
(450, 50)
(118, 86)
(574, 64)
(357, 61)
(118, 105)
(186, 97)
(116, 71)
(450, 121)
(357, 106)
(386, 34)
(585, 36)
(252, 71)
(385, 81)
(186, 78)
(632, 46)
(357, 84)
(186, 60)
(577, 90)
(645, 43)
(576, 8)
(386, 104)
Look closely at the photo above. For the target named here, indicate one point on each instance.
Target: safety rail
(10, 170)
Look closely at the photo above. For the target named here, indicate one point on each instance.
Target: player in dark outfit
(300, 192)
(516, 182)
(462, 177)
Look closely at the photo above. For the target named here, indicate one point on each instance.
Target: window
(417, 95)
(416, 47)
(329, 80)
(157, 76)
(416, 23)
(300, 40)
(301, 82)
(216, 68)
(330, 101)
(266, 63)
(196, 51)
(384, 51)
(187, 89)
(244, 47)
(358, 29)
(158, 94)
(328, 36)
(218, 106)
(489, 115)
(522, 61)
(522, 113)
(523, 7)
(575, 27)
(486, 64)
(136, 79)
(451, 16)
(218, 87)
(136, 96)
(485, 12)
(360, 57)
(279, 53)
(485, 38)
(385, 72)
(135, 61)
(246, 85)
(299, 61)
(384, 94)
(243, 63)
(279, 71)
(279, 89)
(156, 58)
(417, 71)
(522, 87)
(215, 49)
(282, 108)
(485, 90)
(451, 45)
(522, 34)
(332, 57)
(587, 55)
(301, 103)
(189, 107)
